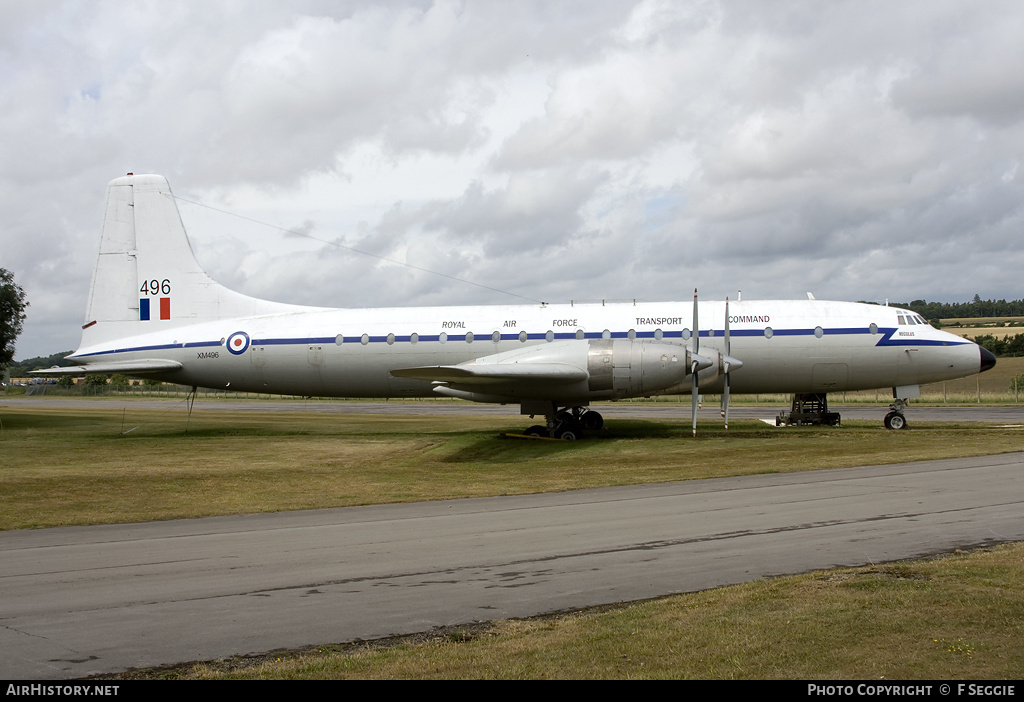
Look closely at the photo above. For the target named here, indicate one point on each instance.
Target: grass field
(104, 465)
(983, 322)
(974, 332)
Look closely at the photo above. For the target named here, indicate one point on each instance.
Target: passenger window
(522, 337)
(469, 337)
(496, 336)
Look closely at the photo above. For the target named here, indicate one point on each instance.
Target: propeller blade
(725, 402)
(693, 367)
(725, 390)
(727, 349)
(696, 328)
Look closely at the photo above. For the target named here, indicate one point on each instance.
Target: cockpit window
(909, 318)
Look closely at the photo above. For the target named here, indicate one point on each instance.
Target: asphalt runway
(86, 600)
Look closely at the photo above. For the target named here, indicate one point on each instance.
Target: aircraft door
(257, 356)
(599, 365)
(315, 352)
(830, 376)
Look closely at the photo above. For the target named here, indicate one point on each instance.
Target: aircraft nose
(987, 359)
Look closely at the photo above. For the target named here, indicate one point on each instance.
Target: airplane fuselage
(785, 346)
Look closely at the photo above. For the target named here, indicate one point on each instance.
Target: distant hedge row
(1008, 346)
(975, 308)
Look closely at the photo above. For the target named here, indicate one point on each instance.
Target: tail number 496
(156, 287)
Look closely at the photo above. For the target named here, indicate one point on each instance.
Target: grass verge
(104, 465)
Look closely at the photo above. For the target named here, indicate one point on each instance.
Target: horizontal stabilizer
(154, 365)
(496, 373)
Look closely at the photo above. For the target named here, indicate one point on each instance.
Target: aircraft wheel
(895, 420)
(569, 431)
(536, 430)
(592, 421)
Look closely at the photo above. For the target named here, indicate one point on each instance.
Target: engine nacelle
(615, 368)
(631, 368)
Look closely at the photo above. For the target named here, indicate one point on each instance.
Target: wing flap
(495, 373)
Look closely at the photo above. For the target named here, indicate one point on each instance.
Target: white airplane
(153, 312)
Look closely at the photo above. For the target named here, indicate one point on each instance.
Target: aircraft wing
(496, 373)
(149, 365)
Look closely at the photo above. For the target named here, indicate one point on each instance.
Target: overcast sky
(554, 149)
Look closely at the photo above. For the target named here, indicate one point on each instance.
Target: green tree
(19, 369)
(12, 315)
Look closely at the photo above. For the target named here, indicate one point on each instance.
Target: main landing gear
(568, 423)
(895, 418)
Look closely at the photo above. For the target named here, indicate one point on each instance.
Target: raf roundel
(238, 343)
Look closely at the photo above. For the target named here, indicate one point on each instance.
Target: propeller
(698, 363)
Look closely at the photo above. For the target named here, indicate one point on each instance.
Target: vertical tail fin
(147, 277)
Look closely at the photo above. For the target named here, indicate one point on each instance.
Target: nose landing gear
(895, 418)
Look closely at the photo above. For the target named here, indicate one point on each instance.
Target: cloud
(554, 150)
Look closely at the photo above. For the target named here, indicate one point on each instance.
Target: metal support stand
(808, 409)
